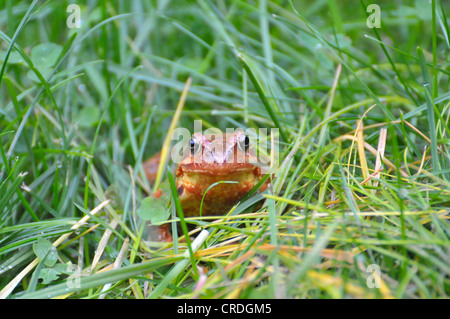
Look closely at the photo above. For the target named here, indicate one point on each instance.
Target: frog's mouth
(218, 169)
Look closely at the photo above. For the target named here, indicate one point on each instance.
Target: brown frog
(212, 159)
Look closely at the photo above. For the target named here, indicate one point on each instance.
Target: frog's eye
(194, 145)
(244, 143)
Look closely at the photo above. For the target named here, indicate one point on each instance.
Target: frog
(218, 169)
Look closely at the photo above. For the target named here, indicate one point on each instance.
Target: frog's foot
(164, 234)
(160, 233)
(151, 166)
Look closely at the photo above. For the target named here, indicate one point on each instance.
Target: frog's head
(219, 154)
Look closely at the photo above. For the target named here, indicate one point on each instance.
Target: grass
(363, 117)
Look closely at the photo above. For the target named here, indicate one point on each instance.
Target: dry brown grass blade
(67, 243)
(251, 276)
(102, 243)
(372, 150)
(335, 254)
(360, 143)
(331, 283)
(168, 139)
(422, 161)
(268, 248)
(117, 263)
(359, 139)
(380, 154)
(368, 127)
